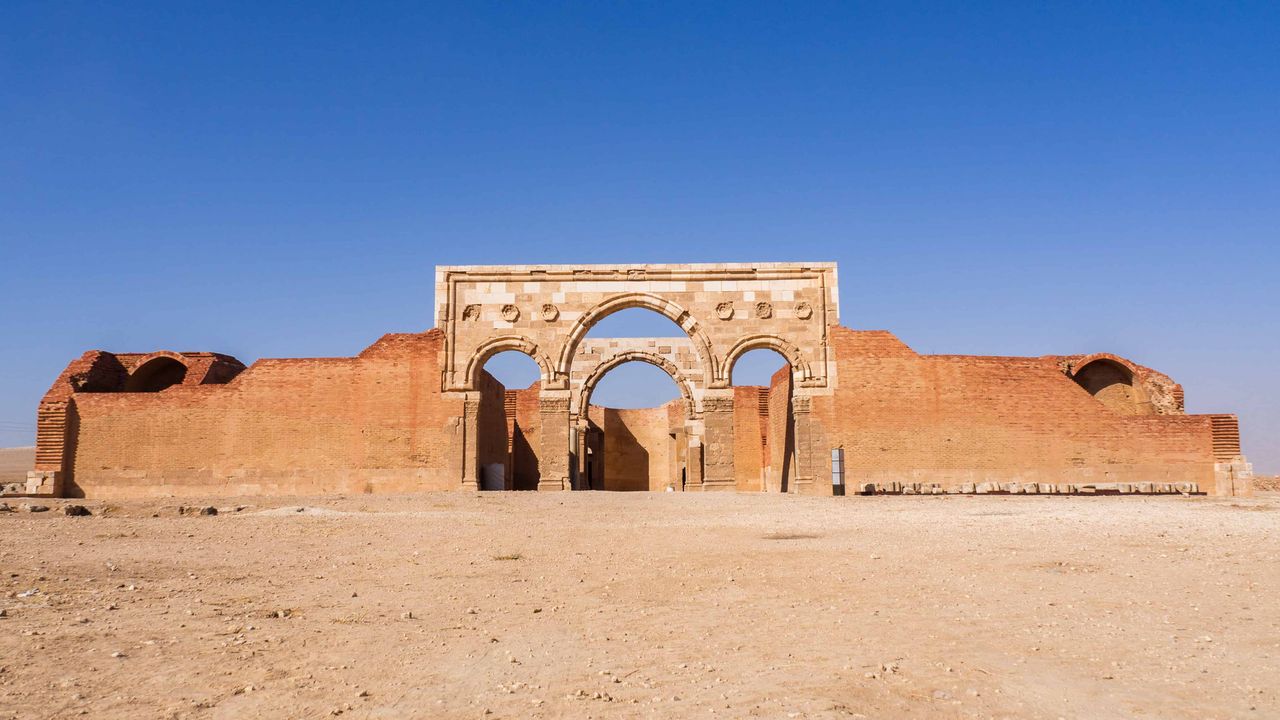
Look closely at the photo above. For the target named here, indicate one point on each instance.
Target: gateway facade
(417, 411)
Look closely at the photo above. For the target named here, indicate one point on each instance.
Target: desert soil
(15, 462)
(548, 605)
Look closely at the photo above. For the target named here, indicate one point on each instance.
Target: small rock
(118, 654)
(76, 511)
(406, 615)
(209, 510)
(35, 508)
(29, 593)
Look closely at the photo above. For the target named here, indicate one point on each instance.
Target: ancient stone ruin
(854, 409)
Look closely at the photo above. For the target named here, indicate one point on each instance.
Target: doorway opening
(764, 448)
(635, 438)
(508, 428)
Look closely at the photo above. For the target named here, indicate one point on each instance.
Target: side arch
(1114, 382)
(1087, 360)
(492, 347)
(648, 301)
(799, 366)
(693, 409)
(156, 372)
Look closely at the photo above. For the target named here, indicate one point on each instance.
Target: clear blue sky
(993, 178)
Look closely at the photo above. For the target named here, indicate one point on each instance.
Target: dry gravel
(551, 605)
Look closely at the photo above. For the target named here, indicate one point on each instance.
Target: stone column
(717, 460)
(469, 429)
(578, 456)
(812, 471)
(553, 458)
(693, 465)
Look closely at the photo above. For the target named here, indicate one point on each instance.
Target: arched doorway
(764, 448)
(508, 383)
(633, 401)
(634, 434)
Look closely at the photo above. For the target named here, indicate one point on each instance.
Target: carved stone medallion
(764, 310)
(510, 313)
(804, 310)
(471, 313)
(724, 310)
(550, 312)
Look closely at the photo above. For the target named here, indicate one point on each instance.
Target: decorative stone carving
(764, 310)
(471, 313)
(550, 312)
(800, 404)
(553, 404)
(804, 310)
(724, 310)
(717, 404)
(510, 313)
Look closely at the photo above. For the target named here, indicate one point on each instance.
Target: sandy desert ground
(15, 462)
(595, 605)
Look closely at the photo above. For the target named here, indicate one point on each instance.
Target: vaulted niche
(155, 375)
(1112, 384)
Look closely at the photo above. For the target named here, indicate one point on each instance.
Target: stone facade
(418, 411)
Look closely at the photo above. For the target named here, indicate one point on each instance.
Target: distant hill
(15, 462)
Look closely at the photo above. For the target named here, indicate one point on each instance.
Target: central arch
(616, 448)
(693, 409)
(648, 301)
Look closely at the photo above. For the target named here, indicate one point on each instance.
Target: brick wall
(637, 447)
(779, 469)
(376, 422)
(955, 419)
(748, 438)
(526, 439)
